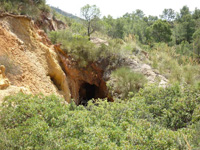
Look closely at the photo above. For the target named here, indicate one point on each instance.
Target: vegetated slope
(33, 64)
(66, 14)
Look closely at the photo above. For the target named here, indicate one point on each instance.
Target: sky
(118, 8)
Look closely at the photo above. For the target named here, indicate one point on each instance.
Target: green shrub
(31, 8)
(75, 45)
(40, 122)
(44, 8)
(9, 6)
(173, 107)
(27, 120)
(53, 35)
(196, 136)
(127, 81)
(184, 48)
(84, 51)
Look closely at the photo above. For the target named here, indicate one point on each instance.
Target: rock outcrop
(50, 23)
(152, 76)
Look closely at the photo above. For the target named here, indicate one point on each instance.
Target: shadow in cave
(86, 93)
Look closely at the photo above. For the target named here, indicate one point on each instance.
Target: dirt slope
(35, 62)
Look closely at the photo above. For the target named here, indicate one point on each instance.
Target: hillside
(126, 83)
(44, 68)
(66, 14)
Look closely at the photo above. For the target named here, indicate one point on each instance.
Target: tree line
(170, 27)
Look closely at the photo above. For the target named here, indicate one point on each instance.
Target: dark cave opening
(86, 93)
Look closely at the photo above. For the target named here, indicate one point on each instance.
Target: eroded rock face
(85, 83)
(48, 22)
(4, 82)
(23, 43)
(6, 89)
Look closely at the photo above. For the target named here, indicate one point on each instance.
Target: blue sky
(117, 8)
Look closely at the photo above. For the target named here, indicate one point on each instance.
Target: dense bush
(160, 31)
(174, 107)
(84, 51)
(142, 122)
(126, 81)
(196, 135)
(31, 8)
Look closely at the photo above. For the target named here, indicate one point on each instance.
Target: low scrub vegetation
(31, 8)
(126, 81)
(84, 51)
(176, 67)
(155, 118)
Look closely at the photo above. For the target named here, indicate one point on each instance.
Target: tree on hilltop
(91, 15)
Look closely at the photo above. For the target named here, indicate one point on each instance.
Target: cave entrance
(86, 93)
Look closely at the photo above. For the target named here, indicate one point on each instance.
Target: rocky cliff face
(48, 22)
